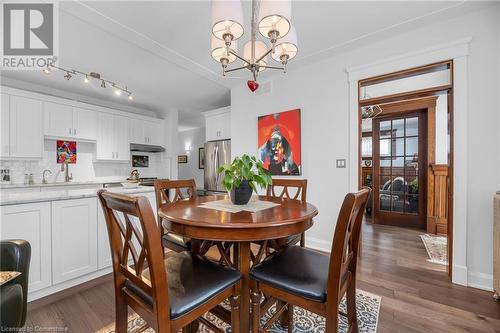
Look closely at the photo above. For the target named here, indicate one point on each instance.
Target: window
(366, 146)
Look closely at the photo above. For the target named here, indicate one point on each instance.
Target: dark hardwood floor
(417, 296)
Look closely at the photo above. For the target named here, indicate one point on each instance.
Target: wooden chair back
(295, 189)
(134, 234)
(164, 186)
(344, 254)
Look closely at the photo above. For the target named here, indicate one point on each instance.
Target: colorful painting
(66, 151)
(279, 142)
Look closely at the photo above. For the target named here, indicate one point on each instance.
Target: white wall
(321, 90)
(196, 139)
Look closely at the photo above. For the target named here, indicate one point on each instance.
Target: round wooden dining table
(188, 218)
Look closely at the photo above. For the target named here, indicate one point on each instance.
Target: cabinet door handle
(74, 131)
(70, 131)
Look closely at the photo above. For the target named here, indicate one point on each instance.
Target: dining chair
(295, 189)
(312, 280)
(169, 191)
(170, 293)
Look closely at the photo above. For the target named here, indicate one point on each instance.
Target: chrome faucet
(67, 176)
(44, 178)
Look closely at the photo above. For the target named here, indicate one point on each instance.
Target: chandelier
(272, 20)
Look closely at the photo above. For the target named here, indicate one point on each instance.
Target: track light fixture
(87, 77)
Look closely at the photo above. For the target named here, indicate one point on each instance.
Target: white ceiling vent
(264, 88)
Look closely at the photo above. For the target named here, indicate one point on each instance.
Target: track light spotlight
(103, 84)
(68, 76)
(86, 79)
(47, 70)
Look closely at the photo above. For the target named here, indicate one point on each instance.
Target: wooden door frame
(403, 98)
(428, 107)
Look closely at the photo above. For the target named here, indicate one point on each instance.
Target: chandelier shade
(274, 18)
(219, 50)
(227, 19)
(260, 50)
(286, 47)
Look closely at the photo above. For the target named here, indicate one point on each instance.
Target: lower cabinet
(103, 249)
(31, 222)
(74, 238)
(69, 239)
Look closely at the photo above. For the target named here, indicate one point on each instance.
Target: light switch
(341, 163)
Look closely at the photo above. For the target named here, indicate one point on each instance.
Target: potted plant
(242, 176)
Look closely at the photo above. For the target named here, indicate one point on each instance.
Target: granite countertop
(72, 183)
(64, 194)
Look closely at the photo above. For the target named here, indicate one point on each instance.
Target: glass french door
(399, 170)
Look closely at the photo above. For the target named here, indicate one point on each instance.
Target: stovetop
(147, 181)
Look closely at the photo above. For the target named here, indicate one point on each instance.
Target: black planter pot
(242, 194)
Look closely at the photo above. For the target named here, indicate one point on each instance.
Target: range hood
(146, 148)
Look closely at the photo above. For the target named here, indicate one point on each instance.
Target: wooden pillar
(437, 200)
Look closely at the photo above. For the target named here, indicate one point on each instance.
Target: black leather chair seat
(296, 270)
(192, 281)
(177, 242)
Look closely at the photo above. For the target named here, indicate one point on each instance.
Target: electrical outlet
(341, 163)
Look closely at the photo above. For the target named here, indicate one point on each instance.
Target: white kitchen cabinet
(154, 132)
(85, 122)
(74, 238)
(31, 222)
(58, 120)
(103, 249)
(218, 124)
(66, 121)
(137, 131)
(26, 139)
(113, 142)
(4, 126)
(122, 143)
(146, 132)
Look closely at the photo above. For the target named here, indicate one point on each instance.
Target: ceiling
(161, 49)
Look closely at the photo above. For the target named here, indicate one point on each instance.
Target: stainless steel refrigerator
(217, 153)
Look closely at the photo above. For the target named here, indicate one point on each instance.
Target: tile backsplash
(85, 169)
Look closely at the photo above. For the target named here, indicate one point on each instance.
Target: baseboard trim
(460, 275)
(480, 281)
(318, 244)
(60, 287)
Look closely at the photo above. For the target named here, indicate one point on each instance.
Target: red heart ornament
(252, 85)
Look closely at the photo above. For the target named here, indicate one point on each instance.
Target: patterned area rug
(368, 306)
(436, 247)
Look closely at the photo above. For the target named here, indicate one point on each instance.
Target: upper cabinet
(21, 120)
(146, 132)
(27, 118)
(4, 126)
(112, 138)
(218, 124)
(66, 121)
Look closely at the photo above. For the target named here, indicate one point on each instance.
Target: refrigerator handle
(216, 164)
